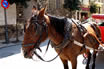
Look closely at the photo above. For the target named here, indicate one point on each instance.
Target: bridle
(39, 29)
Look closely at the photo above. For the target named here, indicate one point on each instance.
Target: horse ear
(42, 12)
(33, 9)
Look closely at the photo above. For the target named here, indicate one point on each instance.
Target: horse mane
(58, 23)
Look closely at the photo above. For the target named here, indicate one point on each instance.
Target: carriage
(99, 18)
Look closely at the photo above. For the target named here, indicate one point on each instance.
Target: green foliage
(22, 2)
(72, 4)
(93, 8)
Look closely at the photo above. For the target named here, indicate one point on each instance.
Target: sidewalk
(11, 43)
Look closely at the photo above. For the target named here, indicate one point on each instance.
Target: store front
(83, 13)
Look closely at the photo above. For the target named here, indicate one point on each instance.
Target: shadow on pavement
(9, 51)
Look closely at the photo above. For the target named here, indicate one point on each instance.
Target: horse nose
(25, 54)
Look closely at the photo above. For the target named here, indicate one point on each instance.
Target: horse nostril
(25, 54)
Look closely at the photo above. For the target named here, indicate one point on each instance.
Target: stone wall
(11, 31)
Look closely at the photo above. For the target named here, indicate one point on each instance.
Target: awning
(98, 16)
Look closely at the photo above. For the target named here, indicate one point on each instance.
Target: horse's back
(94, 34)
(92, 28)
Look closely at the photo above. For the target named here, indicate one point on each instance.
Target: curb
(10, 45)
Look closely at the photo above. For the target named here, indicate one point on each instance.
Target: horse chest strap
(81, 45)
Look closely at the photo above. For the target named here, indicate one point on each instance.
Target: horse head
(35, 32)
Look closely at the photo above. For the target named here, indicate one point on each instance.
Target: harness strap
(96, 31)
(62, 45)
(47, 60)
(87, 47)
(47, 46)
(30, 44)
(82, 31)
(80, 27)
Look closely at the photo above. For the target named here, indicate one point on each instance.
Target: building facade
(55, 4)
(103, 7)
(85, 8)
(84, 12)
(11, 15)
(27, 12)
(11, 20)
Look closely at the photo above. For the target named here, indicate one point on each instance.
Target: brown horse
(41, 26)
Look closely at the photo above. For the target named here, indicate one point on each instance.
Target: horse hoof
(87, 67)
(84, 61)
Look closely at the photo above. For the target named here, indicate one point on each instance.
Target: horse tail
(95, 38)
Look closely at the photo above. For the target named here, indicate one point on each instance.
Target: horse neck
(52, 34)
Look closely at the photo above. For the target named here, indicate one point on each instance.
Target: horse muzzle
(28, 54)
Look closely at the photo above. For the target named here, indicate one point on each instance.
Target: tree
(93, 8)
(72, 5)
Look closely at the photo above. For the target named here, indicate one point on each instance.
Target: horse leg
(74, 62)
(94, 59)
(65, 63)
(88, 62)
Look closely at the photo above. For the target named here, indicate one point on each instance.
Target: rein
(39, 31)
(47, 60)
(37, 44)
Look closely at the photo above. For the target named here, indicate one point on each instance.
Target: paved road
(12, 58)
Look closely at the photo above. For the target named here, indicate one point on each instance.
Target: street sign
(5, 4)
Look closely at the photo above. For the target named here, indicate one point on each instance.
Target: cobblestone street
(12, 58)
